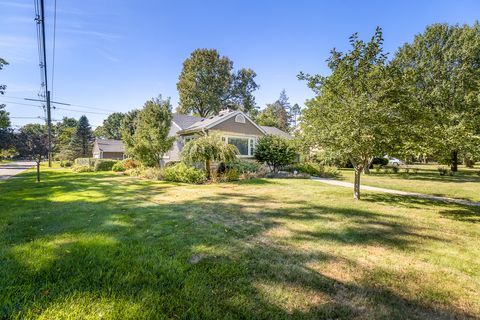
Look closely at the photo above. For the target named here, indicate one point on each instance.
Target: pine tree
(81, 143)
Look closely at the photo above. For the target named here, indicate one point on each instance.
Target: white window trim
(250, 139)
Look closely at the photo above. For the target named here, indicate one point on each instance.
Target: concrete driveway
(10, 169)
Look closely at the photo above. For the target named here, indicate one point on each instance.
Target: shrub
(230, 175)
(395, 169)
(66, 163)
(442, 170)
(183, 173)
(104, 165)
(377, 167)
(118, 167)
(82, 169)
(129, 164)
(89, 162)
(275, 151)
(152, 174)
(134, 172)
(241, 166)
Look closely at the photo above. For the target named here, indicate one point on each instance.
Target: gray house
(108, 149)
(234, 127)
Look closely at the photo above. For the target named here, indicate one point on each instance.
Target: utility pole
(47, 93)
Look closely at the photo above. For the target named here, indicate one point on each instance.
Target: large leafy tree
(63, 132)
(207, 84)
(442, 69)
(127, 129)
(32, 142)
(4, 118)
(277, 114)
(353, 111)
(110, 129)
(207, 149)
(150, 138)
(80, 145)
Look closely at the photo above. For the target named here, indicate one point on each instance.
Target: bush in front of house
(89, 162)
(152, 173)
(104, 165)
(80, 169)
(314, 169)
(130, 164)
(275, 151)
(242, 166)
(118, 167)
(66, 163)
(183, 173)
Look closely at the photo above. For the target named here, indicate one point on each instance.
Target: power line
(21, 104)
(80, 111)
(54, 107)
(54, 38)
(66, 104)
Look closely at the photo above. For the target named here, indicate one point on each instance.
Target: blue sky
(114, 55)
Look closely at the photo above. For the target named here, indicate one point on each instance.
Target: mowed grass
(464, 184)
(103, 246)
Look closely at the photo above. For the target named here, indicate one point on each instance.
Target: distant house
(234, 127)
(108, 149)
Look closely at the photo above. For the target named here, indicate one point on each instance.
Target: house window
(241, 144)
(252, 145)
(239, 118)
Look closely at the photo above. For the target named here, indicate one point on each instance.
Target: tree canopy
(207, 84)
(110, 129)
(277, 114)
(4, 118)
(353, 112)
(442, 74)
(275, 151)
(150, 138)
(80, 145)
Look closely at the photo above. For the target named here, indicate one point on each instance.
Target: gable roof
(276, 132)
(110, 145)
(206, 123)
(184, 121)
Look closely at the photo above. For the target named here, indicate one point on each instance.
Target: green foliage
(207, 84)
(66, 163)
(62, 135)
(442, 78)
(354, 111)
(314, 169)
(89, 162)
(80, 145)
(277, 114)
(127, 130)
(242, 166)
(4, 118)
(183, 173)
(104, 164)
(275, 151)
(118, 167)
(150, 139)
(111, 127)
(207, 149)
(80, 169)
(152, 173)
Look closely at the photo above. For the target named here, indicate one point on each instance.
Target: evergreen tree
(81, 142)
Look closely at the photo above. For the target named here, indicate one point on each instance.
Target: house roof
(203, 123)
(110, 145)
(184, 121)
(277, 132)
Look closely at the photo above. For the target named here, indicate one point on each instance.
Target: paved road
(402, 193)
(12, 168)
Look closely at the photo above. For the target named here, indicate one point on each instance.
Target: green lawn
(103, 246)
(465, 184)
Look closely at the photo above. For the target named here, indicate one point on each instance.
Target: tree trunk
(356, 184)
(207, 167)
(38, 171)
(454, 165)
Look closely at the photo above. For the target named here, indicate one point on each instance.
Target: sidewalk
(398, 192)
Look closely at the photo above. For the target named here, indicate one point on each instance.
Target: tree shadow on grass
(130, 256)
